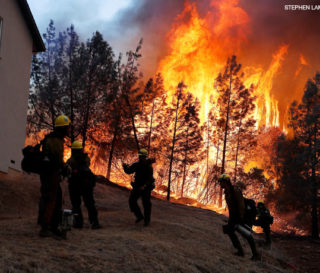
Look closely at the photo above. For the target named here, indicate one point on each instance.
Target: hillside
(179, 239)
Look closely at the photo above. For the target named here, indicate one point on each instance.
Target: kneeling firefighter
(81, 184)
(264, 220)
(142, 186)
(236, 222)
(53, 167)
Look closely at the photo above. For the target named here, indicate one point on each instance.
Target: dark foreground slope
(179, 239)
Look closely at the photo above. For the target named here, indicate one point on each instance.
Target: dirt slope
(179, 239)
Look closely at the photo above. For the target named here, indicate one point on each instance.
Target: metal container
(67, 219)
(244, 230)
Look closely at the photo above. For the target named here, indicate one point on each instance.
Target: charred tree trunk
(50, 92)
(314, 211)
(217, 156)
(113, 143)
(132, 122)
(185, 165)
(206, 187)
(87, 115)
(237, 151)
(225, 138)
(71, 100)
(172, 150)
(150, 130)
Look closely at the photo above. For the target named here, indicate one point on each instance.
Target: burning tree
(298, 158)
(235, 110)
(245, 133)
(186, 140)
(213, 130)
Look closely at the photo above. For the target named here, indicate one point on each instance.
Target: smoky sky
(270, 26)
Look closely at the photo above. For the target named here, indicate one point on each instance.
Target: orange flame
(199, 48)
(198, 51)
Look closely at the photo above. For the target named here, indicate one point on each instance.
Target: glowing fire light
(199, 48)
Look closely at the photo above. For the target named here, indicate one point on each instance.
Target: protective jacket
(51, 197)
(143, 173)
(236, 205)
(79, 163)
(264, 217)
(142, 187)
(52, 148)
(80, 171)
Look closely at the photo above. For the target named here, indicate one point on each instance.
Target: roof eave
(38, 44)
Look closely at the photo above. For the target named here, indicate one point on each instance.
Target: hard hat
(76, 145)
(261, 202)
(61, 121)
(224, 177)
(143, 152)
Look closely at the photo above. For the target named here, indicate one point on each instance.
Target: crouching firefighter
(142, 186)
(236, 207)
(264, 220)
(53, 167)
(81, 184)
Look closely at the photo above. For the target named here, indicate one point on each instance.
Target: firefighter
(250, 206)
(142, 186)
(236, 207)
(50, 204)
(81, 184)
(264, 220)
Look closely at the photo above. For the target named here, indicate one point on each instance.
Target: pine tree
(97, 57)
(186, 135)
(298, 158)
(245, 126)
(45, 89)
(229, 85)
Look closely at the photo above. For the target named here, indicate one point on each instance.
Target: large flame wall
(199, 46)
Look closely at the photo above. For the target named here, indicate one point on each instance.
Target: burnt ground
(180, 238)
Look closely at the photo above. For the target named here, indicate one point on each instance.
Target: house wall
(15, 64)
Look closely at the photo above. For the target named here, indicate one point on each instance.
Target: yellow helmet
(61, 121)
(224, 177)
(76, 145)
(261, 201)
(143, 152)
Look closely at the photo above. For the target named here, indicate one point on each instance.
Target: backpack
(267, 217)
(250, 211)
(33, 157)
(33, 160)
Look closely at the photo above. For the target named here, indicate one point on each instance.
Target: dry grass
(179, 239)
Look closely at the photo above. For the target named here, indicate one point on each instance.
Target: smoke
(270, 26)
(150, 20)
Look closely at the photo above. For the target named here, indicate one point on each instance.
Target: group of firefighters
(81, 183)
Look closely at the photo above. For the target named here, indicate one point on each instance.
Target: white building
(19, 39)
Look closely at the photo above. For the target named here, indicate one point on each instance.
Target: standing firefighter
(81, 184)
(264, 220)
(236, 207)
(142, 186)
(50, 204)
